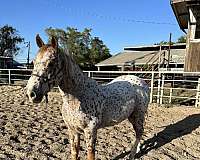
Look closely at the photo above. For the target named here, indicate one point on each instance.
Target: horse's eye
(50, 64)
(45, 80)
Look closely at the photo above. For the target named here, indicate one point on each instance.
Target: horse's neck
(74, 82)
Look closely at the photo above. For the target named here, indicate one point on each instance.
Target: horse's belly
(117, 113)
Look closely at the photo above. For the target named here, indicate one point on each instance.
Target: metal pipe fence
(166, 87)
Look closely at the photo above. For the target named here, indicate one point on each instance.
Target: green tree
(181, 39)
(164, 43)
(86, 50)
(9, 41)
(99, 51)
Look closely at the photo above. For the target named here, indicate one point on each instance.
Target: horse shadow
(171, 132)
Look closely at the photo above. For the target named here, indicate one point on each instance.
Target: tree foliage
(164, 43)
(181, 39)
(9, 41)
(86, 50)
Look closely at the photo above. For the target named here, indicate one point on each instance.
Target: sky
(118, 23)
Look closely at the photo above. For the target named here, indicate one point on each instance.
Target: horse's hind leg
(137, 120)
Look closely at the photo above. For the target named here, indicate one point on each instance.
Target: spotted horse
(87, 105)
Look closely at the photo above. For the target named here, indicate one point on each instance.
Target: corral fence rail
(166, 87)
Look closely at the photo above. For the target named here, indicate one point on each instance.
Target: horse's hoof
(132, 157)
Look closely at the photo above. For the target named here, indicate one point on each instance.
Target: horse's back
(134, 80)
(138, 83)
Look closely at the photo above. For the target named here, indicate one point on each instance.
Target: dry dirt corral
(30, 131)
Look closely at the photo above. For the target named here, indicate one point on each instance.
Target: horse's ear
(54, 42)
(39, 41)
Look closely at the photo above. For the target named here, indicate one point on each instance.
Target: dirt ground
(30, 131)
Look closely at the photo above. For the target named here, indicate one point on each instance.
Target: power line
(105, 17)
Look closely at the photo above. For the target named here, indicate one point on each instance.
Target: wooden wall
(192, 59)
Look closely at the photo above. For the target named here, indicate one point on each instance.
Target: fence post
(152, 82)
(158, 93)
(162, 88)
(170, 95)
(9, 77)
(197, 94)
(89, 74)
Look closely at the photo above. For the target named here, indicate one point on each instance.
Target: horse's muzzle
(34, 96)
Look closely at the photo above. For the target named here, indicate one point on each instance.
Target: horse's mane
(68, 62)
(67, 55)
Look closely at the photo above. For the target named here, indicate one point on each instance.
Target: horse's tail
(144, 85)
(146, 91)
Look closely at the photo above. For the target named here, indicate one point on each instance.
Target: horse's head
(45, 72)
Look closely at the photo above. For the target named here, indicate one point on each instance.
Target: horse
(87, 105)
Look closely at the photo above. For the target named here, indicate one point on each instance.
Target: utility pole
(159, 58)
(29, 47)
(169, 50)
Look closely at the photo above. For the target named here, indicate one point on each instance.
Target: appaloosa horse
(87, 106)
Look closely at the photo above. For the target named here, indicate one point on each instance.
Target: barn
(187, 13)
(141, 58)
(9, 63)
(6, 62)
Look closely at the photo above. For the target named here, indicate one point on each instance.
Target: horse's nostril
(33, 95)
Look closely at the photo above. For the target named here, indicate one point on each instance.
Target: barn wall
(192, 59)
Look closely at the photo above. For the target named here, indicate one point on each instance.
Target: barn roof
(5, 57)
(128, 57)
(155, 47)
(181, 11)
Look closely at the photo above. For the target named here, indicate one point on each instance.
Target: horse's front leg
(90, 137)
(75, 144)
